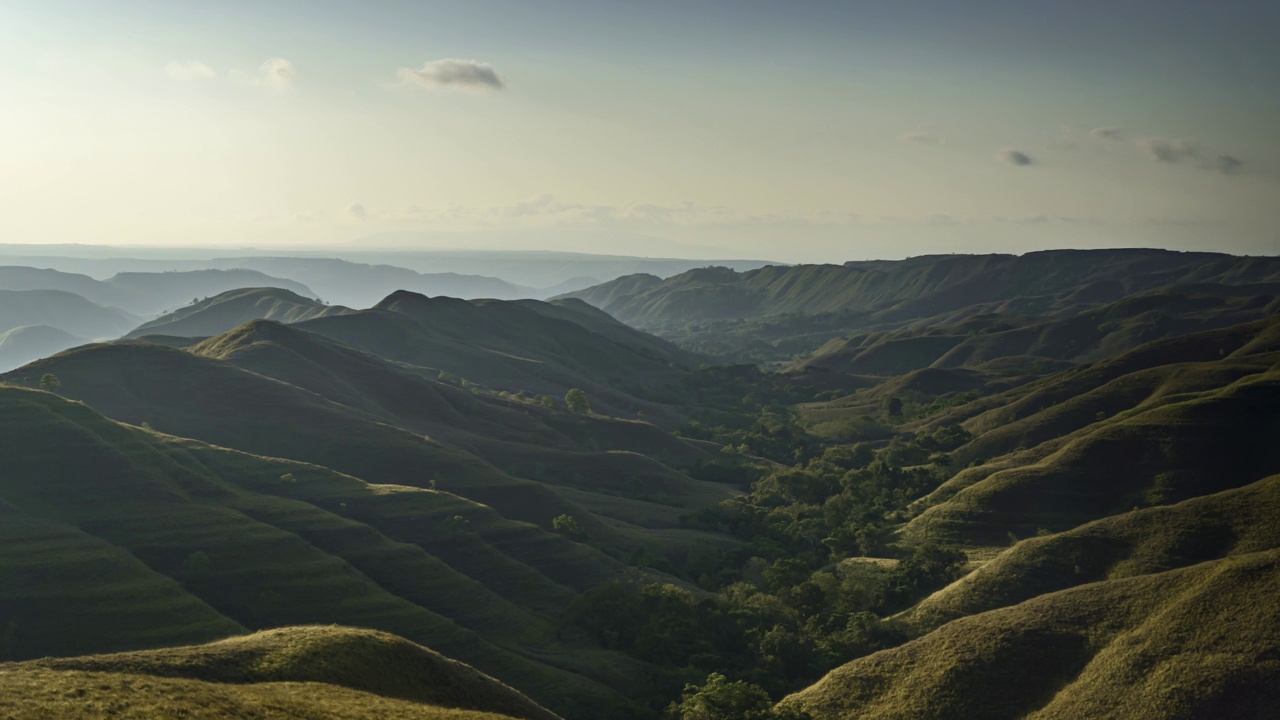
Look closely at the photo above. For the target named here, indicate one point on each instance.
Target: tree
(567, 525)
(546, 401)
(49, 381)
(719, 699)
(893, 406)
(576, 401)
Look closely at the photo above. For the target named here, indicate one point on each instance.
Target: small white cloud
(358, 211)
(452, 73)
(189, 70)
(274, 74)
(1013, 157)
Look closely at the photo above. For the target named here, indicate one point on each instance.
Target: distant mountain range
(144, 293)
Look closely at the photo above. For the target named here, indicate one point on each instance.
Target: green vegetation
(302, 672)
(976, 495)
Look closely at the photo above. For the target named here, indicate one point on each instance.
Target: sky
(795, 131)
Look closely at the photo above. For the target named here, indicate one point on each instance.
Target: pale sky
(796, 131)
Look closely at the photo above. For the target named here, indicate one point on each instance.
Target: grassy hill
(21, 345)
(65, 311)
(517, 347)
(297, 672)
(120, 538)
(1187, 643)
(233, 308)
(775, 313)
(1140, 542)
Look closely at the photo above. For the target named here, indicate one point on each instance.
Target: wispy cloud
(1165, 150)
(187, 70)
(1010, 156)
(452, 74)
(1107, 133)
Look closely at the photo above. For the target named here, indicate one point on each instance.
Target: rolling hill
(144, 293)
(775, 313)
(233, 308)
(1188, 643)
(21, 345)
(65, 311)
(527, 346)
(298, 672)
(120, 538)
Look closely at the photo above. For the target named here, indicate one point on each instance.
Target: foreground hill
(144, 293)
(1188, 643)
(298, 672)
(233, 308)
(119, 538)
(65, 311)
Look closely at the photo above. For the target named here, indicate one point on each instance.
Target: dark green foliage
(49, 381)
(576, 401)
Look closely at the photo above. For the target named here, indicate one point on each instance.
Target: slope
(65, 311)
(510, 346)
(180, 541)
(363, 660)
(1186, 643)
(21, 345)
(1140, 542)
(293, 673)
(231, 309)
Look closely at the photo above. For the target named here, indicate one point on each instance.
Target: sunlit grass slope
(1140, 542)
(1196, 642)
(299, 672)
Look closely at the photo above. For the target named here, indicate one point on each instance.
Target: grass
(302, 672)
(1141, 542)
(1189, 643)
(137, 539)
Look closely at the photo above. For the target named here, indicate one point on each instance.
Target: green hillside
(298, 672)
(776, 313)
(1189, 643)
(517, 347)
(225, 541)
(1141, 542)
(233, 308)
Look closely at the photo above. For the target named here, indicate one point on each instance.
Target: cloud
(923, 137)
(1165, 150)
(358, 211)
(452, 73)
(274, 74)
(1227, 164)
(189, 70)
(1107, 133)
(1013, 157)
